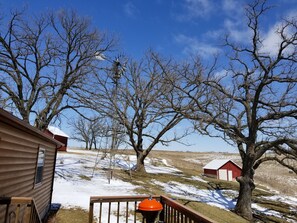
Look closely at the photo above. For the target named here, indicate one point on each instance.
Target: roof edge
(10, 119)
(227, 160)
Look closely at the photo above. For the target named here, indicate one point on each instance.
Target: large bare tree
(252, 104)
(136, 102)
(44, 61)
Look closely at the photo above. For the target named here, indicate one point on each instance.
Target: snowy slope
(80, 174)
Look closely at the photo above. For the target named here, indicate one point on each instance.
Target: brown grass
(270, 175)
(73, 215)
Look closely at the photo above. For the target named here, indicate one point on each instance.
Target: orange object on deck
(150, 205)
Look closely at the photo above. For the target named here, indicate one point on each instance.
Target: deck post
(91, 212)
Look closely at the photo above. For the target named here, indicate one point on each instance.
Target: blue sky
(176, 28)
(173, 27)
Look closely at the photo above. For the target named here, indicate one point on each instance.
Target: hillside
(81, 174)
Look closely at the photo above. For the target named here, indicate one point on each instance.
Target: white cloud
(217, 35)
(194, 9)
(271, 41)
(229, 5)
(233, 22)
(197, 9)
(272, 38)
(130, 9)
(232, 7)
(195, 46)
(221, 74)
(236, 31)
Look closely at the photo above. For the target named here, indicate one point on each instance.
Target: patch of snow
(156, 170)
(77, 193)
(78, 178)
(284, 199)
(199, 179)
(75, 181)
(225, 199)
(150, 168)
(164, 161)
(193, 161)
(266, 211)
(216, 198)
(124, 164)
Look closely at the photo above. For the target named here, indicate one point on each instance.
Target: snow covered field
(76, 181)
(81, 174)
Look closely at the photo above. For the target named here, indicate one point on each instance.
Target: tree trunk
(90, 145)
(244, 203)
(140, 163)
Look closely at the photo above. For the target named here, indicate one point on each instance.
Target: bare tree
(252, 105)
(45, 60)
(139, 106)
(89, 131)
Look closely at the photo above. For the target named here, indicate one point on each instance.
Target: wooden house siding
(19, 146)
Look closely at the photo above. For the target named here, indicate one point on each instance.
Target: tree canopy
(44, 61)
(137, 102)
(252, 104)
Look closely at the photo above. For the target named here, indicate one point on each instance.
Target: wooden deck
(104, 209)
(123, 209)
(18, 209)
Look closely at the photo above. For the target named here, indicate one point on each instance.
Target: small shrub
(84, 177)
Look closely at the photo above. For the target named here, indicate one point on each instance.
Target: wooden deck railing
(123, 209)
(18, 209)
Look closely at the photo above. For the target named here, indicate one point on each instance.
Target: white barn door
(223, 174)
(230, 175)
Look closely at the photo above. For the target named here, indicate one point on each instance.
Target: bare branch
(45, 60)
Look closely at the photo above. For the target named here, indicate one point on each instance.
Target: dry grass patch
(73, 215)
(277, 177)
(213, 213)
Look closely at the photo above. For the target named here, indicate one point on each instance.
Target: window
(40, 165)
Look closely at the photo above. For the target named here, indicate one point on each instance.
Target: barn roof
(57, 131)
(216, 164)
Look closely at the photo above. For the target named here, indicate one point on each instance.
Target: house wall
(236, 171)
(18, 162)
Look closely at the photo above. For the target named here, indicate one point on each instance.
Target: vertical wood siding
(236, 171)
(18, 160)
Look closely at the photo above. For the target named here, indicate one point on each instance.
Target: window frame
(40, 161)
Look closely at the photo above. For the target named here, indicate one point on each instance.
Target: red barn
(222, 169)
(59, 135)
